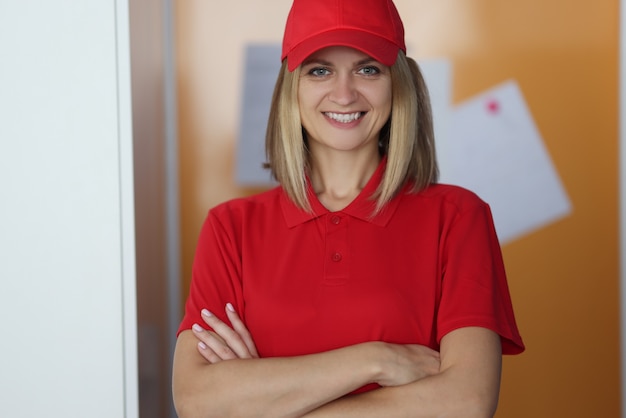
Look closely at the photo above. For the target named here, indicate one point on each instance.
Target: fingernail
(197, 328)
(229, 306)
(202, 345)
(206, 312)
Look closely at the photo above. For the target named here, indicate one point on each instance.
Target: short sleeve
(474, 284)
(216, 272)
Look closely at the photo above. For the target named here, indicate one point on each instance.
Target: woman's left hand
(224, 342)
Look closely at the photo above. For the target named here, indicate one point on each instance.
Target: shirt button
(336, 220)
(336, 257)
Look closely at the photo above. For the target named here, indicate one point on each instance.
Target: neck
(338, 179)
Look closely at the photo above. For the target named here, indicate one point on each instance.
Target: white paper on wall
(438, 76)
(262, 63)
(495, 149)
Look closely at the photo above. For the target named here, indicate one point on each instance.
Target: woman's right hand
(224, 342)
(405, 363)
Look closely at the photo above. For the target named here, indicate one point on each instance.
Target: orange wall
(564, 55)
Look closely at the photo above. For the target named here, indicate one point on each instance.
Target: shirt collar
(361, 207)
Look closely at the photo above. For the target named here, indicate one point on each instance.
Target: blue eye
(370, 70)
(319, 71)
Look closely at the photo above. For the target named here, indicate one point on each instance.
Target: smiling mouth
(344, 117)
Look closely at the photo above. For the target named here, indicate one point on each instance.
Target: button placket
(336, 247)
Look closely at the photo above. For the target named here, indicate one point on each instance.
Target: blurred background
(564, 277)
(69, 263)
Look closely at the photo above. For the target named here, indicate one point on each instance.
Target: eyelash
(315, 71)
(371, 70)
(374, 70)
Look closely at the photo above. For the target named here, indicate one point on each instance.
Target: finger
(213, 342)
(231, 338)
(208, 354)
(241, 329)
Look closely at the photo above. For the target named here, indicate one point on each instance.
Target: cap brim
(381, 49)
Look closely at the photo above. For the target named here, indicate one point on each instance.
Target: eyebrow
(329, 64)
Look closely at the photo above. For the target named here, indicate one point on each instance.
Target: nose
(343, 90)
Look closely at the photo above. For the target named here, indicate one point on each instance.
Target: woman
(359, 287)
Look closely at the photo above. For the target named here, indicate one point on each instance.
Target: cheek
(308, 102)
(387, 99)
(384, 108)
(380, 98)
(386, 104)
(303, 94)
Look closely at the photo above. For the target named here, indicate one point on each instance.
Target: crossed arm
(219, 373)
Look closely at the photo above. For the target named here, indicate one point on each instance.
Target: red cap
(371, 26)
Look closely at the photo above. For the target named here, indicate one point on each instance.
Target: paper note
(262, 64)
(438, 76)
(494, 149)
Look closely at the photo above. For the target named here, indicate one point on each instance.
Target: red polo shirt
(303, 283)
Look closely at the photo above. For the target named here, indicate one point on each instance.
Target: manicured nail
(197, 328)
(206, 312)
(202, 345)
(229, 306)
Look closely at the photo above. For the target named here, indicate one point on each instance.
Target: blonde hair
(407, 139)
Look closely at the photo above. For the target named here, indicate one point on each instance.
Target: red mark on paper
(493, 106)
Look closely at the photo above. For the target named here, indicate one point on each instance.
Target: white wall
(67, 295)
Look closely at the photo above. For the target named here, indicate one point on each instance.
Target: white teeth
(344, 118)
